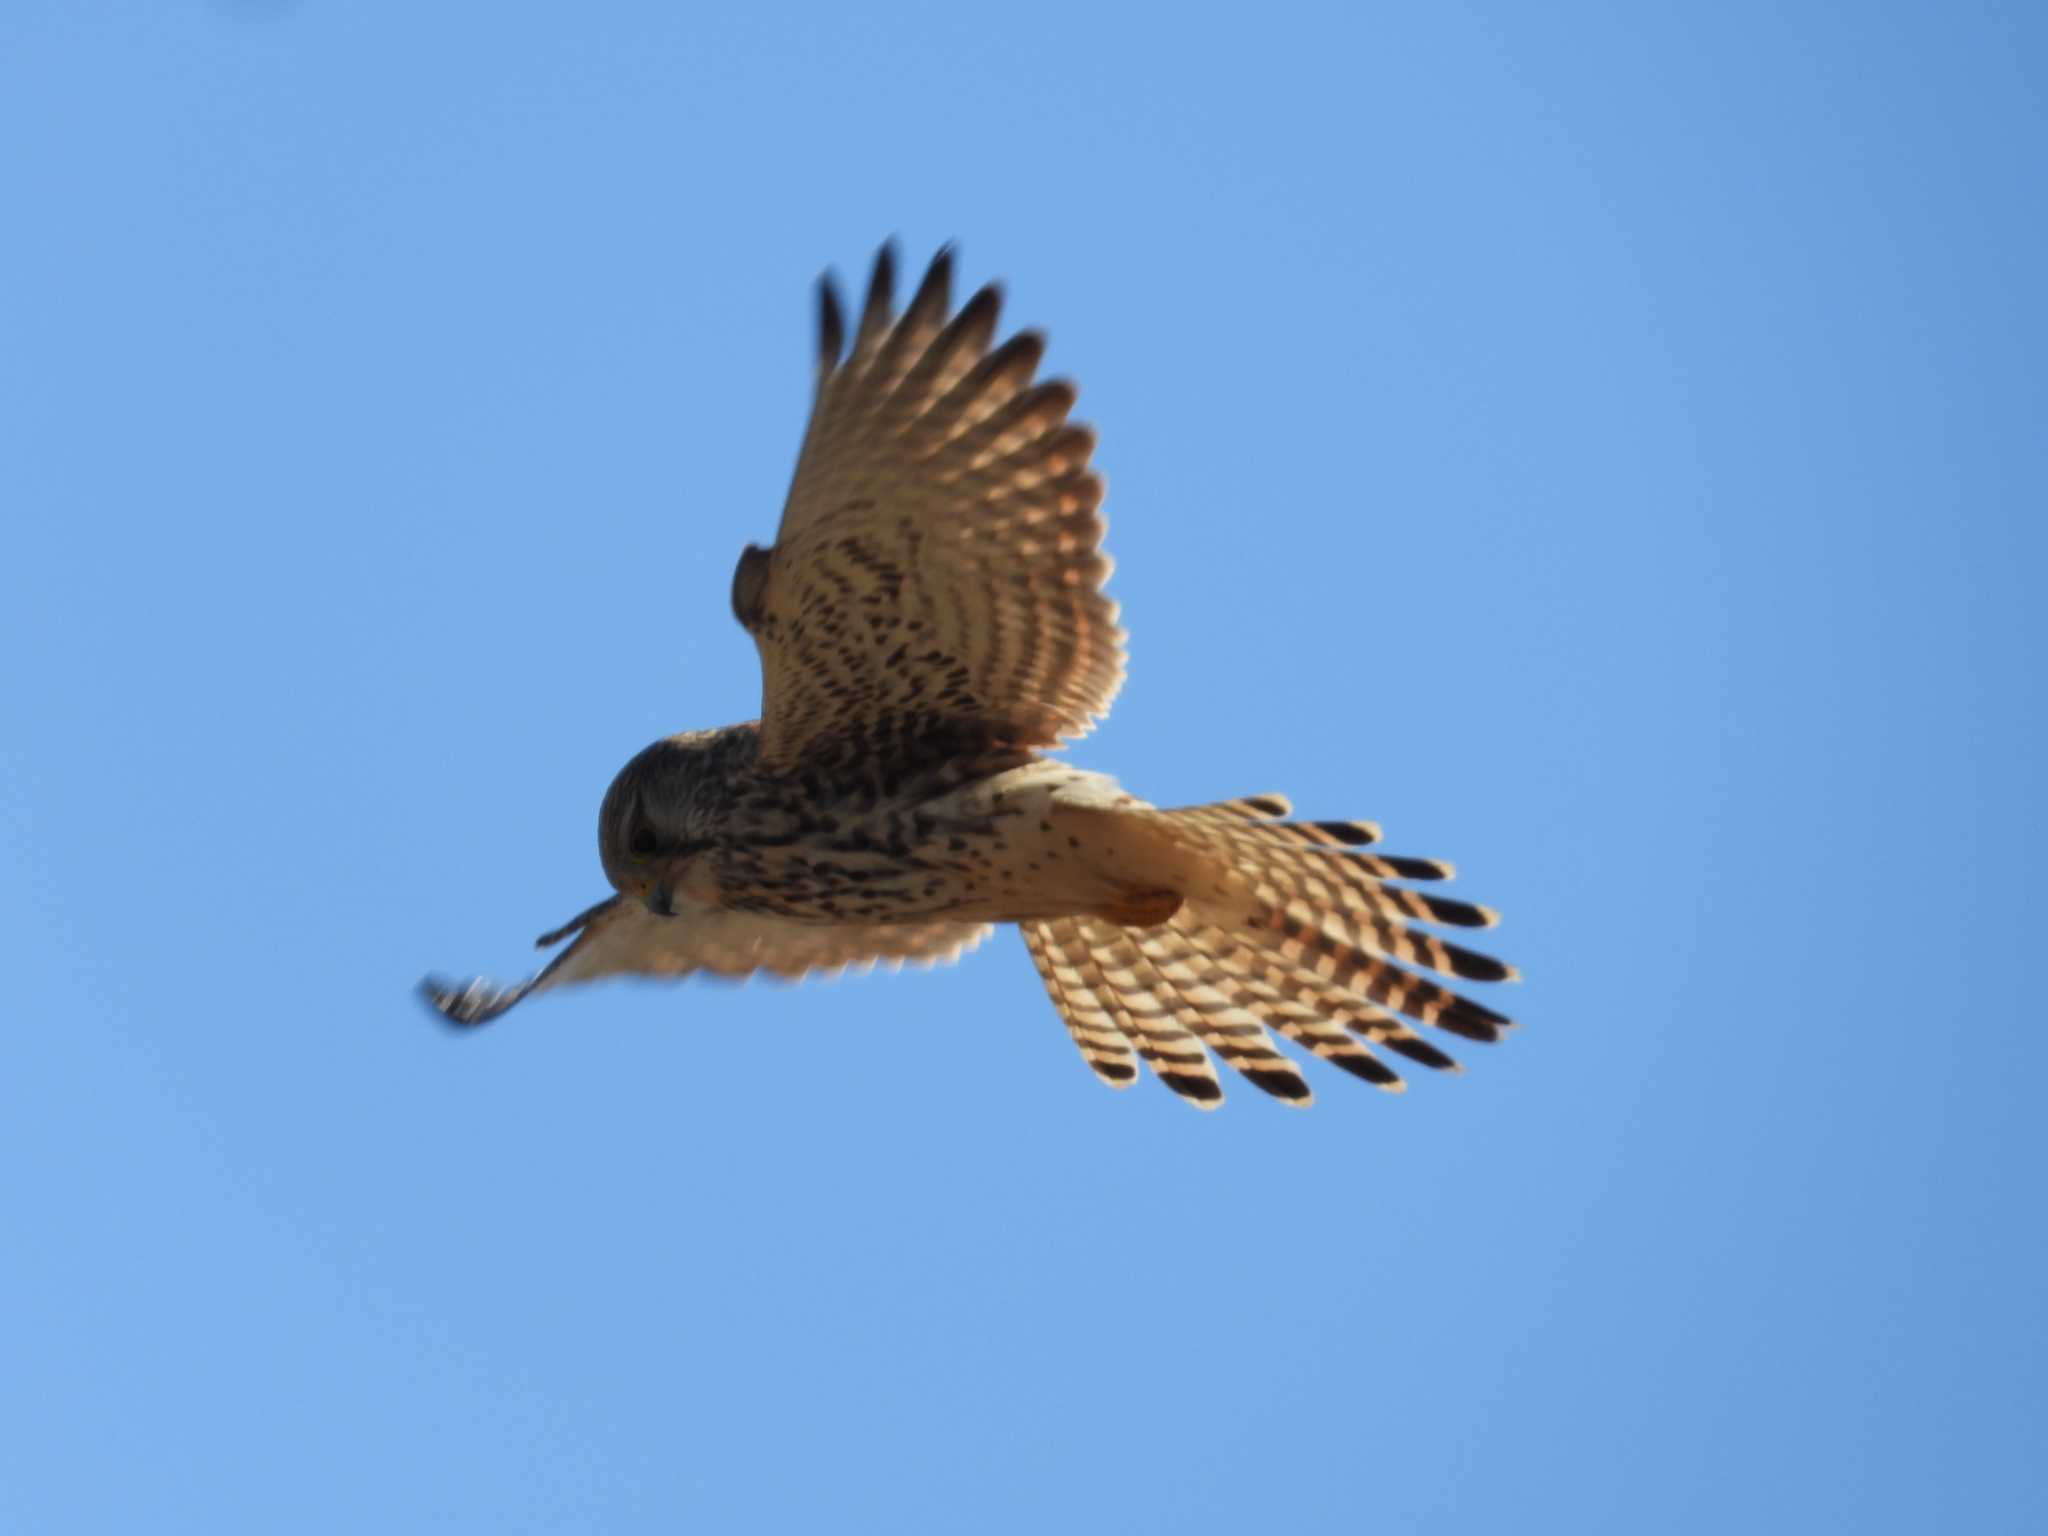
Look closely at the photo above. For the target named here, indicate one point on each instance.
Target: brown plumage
(930, 619)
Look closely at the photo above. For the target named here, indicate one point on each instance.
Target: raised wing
(935, 588)
(620, 937)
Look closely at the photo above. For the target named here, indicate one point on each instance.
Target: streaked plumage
(930, 620)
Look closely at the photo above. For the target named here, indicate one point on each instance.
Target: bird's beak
(660, 900)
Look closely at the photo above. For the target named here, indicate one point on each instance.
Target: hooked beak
(659, 899)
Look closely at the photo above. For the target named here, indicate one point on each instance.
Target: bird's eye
(641, 843)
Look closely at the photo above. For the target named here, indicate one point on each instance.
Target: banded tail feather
(1101, 999)
(1189, 957)
(1229, 1030)
(1280, 978)
(1285, 929)
(1094, 1030)
(1169, 1048)
(1243, 808)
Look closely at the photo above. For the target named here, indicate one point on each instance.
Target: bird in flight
(931, 622)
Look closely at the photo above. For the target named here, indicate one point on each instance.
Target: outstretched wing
(620, 937)
(936, 585)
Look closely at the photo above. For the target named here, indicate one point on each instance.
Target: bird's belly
(996, 850)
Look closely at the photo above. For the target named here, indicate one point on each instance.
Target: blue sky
(1603, 445)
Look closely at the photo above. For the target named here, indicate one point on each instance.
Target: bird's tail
(1246, 924)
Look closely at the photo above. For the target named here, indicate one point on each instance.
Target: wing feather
(620, 937)
(936, 585)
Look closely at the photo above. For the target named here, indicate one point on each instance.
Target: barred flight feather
(1200, 980)
(1102, 1045)
(1284, 929)
(1279, 978)
(1232, 1033)
(1175, 1056)
(946, 502)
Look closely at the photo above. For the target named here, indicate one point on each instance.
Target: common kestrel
(931, 620)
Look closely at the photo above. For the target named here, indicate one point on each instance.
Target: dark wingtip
(878, 309)
(983, 308)
(1419, 1051)
(1476, 967)
(1284, 1084)
(462, 1008)
(1405, 868)
(1369, 1067)
(1474, 1021)
(831, 324)
(936, 291)
(1203, 1091)
(1460, 914)
(444, 998)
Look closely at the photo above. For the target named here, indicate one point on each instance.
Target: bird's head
(648, 829)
